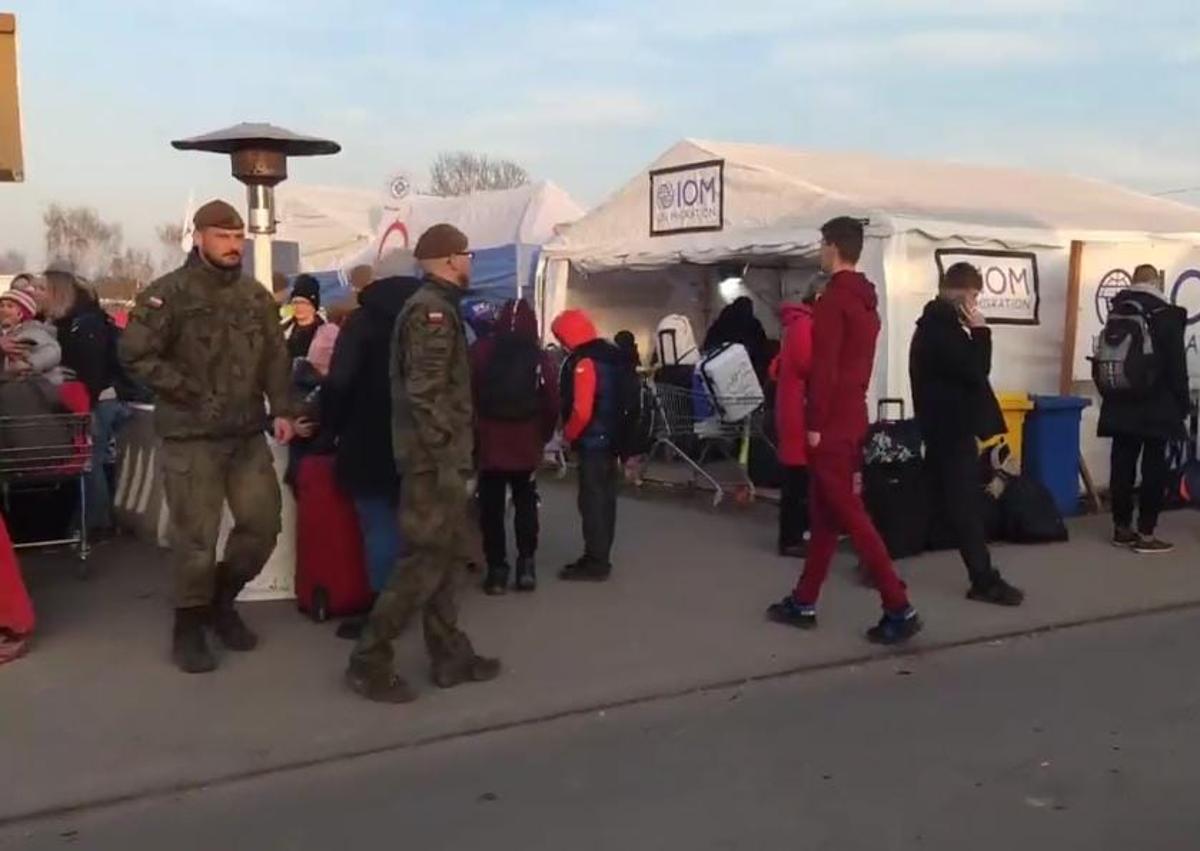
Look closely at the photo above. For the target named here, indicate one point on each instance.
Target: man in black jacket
(949, 363)
(1142, 425)
(356, 408)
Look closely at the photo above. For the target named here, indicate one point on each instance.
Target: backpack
(1124, 362)
(512, 381)
(634, 433)
(1028, 514)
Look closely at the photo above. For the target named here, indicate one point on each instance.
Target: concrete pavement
(96, 713)
(1083, 739)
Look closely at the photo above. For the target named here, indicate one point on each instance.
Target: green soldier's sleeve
(144, 344)
(427, 339)
(277, 365)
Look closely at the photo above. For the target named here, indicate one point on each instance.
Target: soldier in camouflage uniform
(206, 339)
(432, 438)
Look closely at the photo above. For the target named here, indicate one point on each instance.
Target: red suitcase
(331, 572)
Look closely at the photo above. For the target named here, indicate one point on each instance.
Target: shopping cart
(688, 427)
(44, 453)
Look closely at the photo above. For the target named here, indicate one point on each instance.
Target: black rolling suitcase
(894, 488)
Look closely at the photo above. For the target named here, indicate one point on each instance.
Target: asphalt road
(1087, 738)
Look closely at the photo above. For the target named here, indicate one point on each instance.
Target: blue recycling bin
(1051, 447)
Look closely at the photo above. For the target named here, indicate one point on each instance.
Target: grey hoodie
(45, 354)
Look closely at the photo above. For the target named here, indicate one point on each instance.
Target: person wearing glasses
(433, 440)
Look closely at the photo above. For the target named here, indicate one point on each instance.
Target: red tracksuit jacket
(845, 329)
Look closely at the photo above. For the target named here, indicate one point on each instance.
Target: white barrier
(140, 505)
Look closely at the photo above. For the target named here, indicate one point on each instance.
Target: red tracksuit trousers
(834, 507)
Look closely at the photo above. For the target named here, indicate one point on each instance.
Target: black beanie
(308, 288)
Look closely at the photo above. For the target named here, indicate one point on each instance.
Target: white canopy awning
(775, 199)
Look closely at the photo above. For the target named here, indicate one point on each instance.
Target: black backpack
(511, 386)
(1124, 362)
(634, 433)
(1028, 514)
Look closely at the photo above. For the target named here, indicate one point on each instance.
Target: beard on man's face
(229, 260)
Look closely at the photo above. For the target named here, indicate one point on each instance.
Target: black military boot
(189, 647)
(448, 673)
(226, 622)
(526, 574)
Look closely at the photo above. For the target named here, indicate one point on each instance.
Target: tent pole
(1066, 380)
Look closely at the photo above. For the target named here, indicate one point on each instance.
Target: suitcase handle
(887, 402)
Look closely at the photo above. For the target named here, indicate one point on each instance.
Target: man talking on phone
(949, 364)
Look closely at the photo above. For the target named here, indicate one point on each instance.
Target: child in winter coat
(30, 347)
(791, 369)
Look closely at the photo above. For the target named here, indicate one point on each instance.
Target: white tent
(339, 228)
(709, 210)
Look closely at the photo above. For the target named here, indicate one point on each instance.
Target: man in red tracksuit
(845, 329)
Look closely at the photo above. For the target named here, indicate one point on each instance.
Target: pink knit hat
(23, 300)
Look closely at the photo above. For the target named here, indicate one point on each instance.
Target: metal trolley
(688, 427)
(41, 453)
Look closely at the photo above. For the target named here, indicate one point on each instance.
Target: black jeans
(598, 480)
(1153, 492)
(953, 468)
(493, 489)
(793, 507)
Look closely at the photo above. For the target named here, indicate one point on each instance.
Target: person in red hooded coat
(510, 436)
(790, 370)
(845, 330)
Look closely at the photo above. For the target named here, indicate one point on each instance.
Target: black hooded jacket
(949, 367)
(356, 396)
(1161, 414)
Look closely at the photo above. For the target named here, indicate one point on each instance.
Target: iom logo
(1110, 285)
(1186, 294)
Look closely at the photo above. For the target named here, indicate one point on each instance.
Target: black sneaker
(998, 593)
(1124, 538)
(790, 613)
(526, 574)
(584, 571)
(495, 582)
(895, 627)
(799, 550)
(1150, 545)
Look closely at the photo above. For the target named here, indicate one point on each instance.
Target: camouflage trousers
(200, 476)
(433, 522)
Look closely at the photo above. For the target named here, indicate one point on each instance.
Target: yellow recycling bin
(1014, 406)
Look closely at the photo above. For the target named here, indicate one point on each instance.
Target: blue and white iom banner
(687, 198)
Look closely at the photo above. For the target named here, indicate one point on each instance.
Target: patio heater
(259, 154)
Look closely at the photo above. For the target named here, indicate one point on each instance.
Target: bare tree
(170, 235)
(462, 172)
(128, 272)
(78, 240)
(12, 262)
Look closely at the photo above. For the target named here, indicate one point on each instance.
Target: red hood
(573, 328)
(856, 284)
(518, 317)
(790, 311)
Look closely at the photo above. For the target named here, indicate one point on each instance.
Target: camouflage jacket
(208, 343)
(432, 425)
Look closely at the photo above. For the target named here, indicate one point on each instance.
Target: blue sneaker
(790, 613)
(895, 627)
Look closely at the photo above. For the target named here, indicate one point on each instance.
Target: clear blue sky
(1106, 88)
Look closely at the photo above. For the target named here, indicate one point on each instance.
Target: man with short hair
(432, 437)
(361, 277)
(845, 329)
(206, 339)
(1141, 424)
(950, 359)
